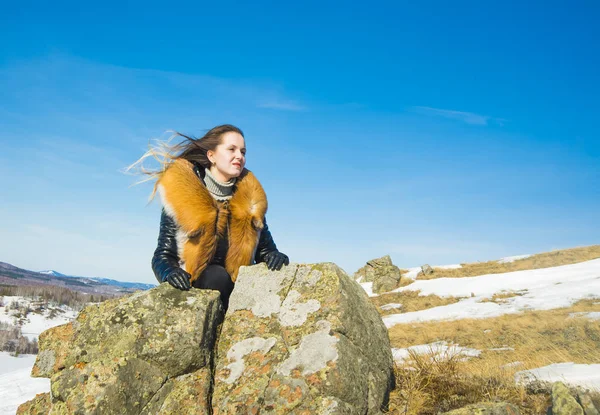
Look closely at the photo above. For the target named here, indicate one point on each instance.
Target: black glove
(275, 260)
(179, 279)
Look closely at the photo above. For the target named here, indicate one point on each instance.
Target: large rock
(587, 403)
(382, 272)
(129, 355)
(304, 340)
(40, 405)
(563, 403)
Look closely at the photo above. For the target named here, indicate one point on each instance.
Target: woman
(213, 217)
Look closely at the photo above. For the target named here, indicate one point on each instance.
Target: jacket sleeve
(165, 257)
(266, 244)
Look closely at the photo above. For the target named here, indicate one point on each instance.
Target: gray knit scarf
(221, 191)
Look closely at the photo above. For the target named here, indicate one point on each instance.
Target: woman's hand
(179, 279)
(275, 260)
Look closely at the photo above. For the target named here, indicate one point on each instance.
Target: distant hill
(108, 281)
(11, 275)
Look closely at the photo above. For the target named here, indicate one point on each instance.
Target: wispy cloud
(283, 105)
(466, 117)
(108, 91)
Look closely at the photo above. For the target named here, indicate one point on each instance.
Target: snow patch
(451, 266)
(16, 384)
(437, 350)
(368, 287)
(570, 373)
(592, 315)
(544, 289)
(390, 306)
(412, 273)
(514, 258)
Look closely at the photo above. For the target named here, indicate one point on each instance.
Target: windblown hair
(191, 149)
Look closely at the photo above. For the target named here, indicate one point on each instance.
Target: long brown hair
(191, 149)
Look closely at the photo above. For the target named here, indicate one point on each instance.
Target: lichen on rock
(304, 340)
(330, 351)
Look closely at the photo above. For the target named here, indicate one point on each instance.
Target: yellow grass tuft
(427, 384)
(508, 343)
(543, 260)
(501, 297)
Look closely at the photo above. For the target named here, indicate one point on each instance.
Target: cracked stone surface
(382, 272)
(143, 353)
(329, 350)
(302, 340)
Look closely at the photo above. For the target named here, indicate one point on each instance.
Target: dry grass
(543, 260)
(411, 301)
(501, 297)
(533, 338)
(427, 384)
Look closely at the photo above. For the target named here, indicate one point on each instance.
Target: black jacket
(166, 257)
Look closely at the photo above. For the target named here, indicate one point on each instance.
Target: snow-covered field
(538, 289)
(35, 323)
(16, 385)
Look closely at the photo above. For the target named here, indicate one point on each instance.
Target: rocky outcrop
(562, 401)
(487, 408)
(426, 269)
(301, 340)
(40, 405)
(587, 403)
(382, 272)
(575, 401)
(134, 354)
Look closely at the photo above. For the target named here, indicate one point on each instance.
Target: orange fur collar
(201, 219)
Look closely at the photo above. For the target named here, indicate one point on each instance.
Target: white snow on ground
(508, 259)
(592, 315)
(35, 323)
(574, 374)
(16, 385)
(412, 273)
(543, 289)
(390, 306)
(452, 266)
(368, 287)
(437, 350)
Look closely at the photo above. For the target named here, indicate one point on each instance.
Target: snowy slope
(16, 385)
(35, 323)
(541, 289)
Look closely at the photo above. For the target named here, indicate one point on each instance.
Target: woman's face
(229, 157)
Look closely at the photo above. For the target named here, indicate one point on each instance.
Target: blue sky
(437, 133)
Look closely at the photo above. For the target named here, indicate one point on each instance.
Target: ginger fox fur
(201, 219)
